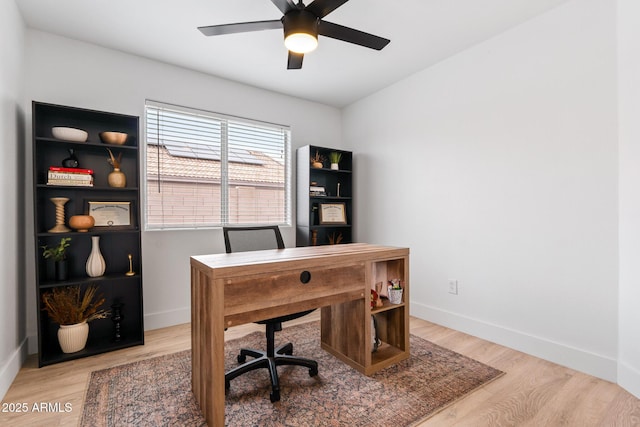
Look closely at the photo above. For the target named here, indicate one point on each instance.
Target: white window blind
(205, 169)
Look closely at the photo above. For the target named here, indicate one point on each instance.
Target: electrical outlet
(453, 286)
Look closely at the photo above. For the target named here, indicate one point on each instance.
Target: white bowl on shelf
(69, 134)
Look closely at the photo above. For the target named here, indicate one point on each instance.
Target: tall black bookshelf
(324, 196)
(116, 242)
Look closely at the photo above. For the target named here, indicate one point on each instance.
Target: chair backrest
(243, 239)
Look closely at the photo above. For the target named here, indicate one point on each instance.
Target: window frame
(224, 172)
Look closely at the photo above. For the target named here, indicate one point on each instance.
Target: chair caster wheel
(242, 358)
(274, 396)
(313, 372)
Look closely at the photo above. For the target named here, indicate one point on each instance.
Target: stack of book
(316, 190)
(75, 177)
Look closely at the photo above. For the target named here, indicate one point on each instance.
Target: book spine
(72, 170)
(70, 182)
(73, 176)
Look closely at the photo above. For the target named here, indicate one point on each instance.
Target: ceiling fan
(302, 25)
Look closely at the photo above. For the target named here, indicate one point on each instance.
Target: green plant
(58, 252)
(395, 284)
(335, 157)
(66, 306)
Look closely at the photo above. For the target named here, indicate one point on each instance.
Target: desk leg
(207, 346)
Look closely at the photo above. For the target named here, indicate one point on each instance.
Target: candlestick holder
(130, 272)
(117, 318)
(59, 227)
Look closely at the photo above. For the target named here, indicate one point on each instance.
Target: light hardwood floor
(533, 392)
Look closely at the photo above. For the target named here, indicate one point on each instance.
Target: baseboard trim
(571, 357)
(11, 367)
(163, 319)
(629, 379)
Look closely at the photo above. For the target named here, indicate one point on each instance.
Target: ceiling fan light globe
(301, 42)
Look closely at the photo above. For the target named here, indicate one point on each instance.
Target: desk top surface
(298, 254)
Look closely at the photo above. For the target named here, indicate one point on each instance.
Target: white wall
(629, 111)
(68, 72)
(498, 168)
(12, 216)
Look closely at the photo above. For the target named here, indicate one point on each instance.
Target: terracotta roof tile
(184, 168)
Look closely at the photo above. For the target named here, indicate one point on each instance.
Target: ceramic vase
(73, 338)
(71, 161)
(61, 270)
(117, 178)
(81, 223)
(95, 263)
(335, 166)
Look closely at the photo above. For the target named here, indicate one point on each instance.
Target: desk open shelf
(350, 344)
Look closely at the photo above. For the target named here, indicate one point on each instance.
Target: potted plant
(73, 311)
(394, 291)
(334, 159)
(316, 161)
(59, 255)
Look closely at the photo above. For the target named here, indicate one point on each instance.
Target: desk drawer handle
(305, 277)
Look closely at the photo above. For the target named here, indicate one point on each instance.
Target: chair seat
(284, 318)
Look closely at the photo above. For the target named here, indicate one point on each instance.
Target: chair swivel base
(282, 356)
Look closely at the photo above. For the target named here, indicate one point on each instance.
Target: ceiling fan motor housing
(300, 21)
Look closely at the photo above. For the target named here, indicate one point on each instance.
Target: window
(205, 169)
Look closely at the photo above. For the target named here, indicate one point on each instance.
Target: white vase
(95, 262)
(73, 338)
(335, 166)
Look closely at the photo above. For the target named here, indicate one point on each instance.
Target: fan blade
(241, 27)
(294, 62)
(284, 5)
(322, 8)
(350, 35)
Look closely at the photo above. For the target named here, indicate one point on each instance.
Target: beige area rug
(157, 392)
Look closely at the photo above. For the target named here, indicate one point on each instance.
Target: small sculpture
(59, 227)
(130, 272)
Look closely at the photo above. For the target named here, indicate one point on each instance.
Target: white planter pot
(335, 166)
(73, 338)
(395, 295)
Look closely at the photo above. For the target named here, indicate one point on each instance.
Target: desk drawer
(273, 293)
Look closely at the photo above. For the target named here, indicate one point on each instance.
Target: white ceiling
(422, 33)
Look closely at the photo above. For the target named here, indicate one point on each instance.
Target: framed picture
(333, 213)
(111, 214)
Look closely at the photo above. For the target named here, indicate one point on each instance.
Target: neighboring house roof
(190, 169)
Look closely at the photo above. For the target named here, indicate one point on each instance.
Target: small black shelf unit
(338, 188)
(116, 243)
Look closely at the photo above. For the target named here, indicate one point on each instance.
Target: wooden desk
(232, 289)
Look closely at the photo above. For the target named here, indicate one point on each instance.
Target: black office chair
(241, 239)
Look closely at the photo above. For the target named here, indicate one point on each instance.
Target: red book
(72, 170)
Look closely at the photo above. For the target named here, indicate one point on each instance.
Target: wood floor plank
(533, 392)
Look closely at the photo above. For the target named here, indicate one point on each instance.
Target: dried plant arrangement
(318, 158)
(335, 239)
(66, 306)
(113, 161)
